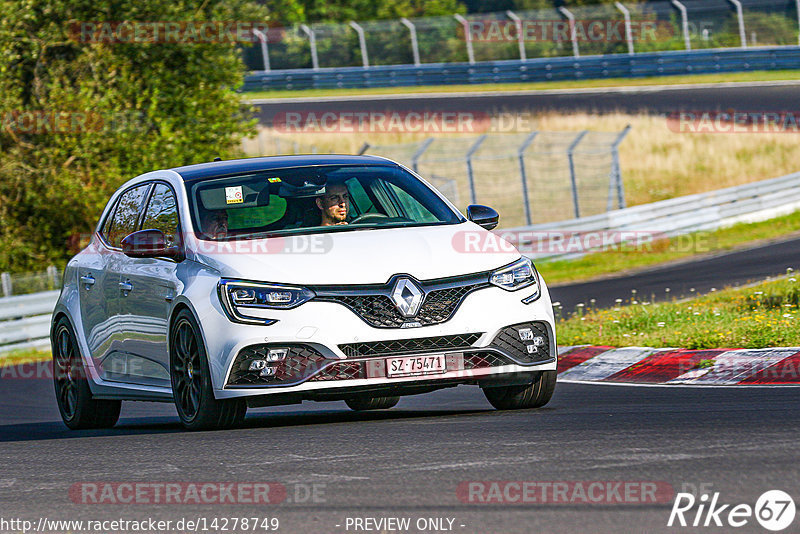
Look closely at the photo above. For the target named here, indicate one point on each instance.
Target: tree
(296, 11)
(80, 118)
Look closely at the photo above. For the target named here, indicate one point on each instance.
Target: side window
(106, 230)
(358, 197)
(412, 206)
(162, 214)
(126, 215)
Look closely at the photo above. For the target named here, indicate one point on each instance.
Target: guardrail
(532, 70)
(25, 320)
(667, 218)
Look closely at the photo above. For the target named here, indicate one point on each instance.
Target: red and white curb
(714, 367)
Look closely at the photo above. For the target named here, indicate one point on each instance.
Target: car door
(148, 287)
(98, 277)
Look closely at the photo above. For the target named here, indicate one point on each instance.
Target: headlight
(516, 276)
(238, 296)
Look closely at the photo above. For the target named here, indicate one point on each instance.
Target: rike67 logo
(774, 510)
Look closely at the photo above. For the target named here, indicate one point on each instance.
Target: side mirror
(483, 216)
(150, 244)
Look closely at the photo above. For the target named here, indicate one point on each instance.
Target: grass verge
(765, 315)
(756, 76)
(626, 259)
(24, 356)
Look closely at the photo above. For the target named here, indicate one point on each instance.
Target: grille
(481, 360)
(301, 361)
(409, 346)
(509, 342)
(340, 371)
(379, 310)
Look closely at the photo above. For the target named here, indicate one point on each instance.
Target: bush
(146, 105)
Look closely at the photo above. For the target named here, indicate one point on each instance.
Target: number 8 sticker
(775, 510)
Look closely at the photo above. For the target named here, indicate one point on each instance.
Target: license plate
(416, 365)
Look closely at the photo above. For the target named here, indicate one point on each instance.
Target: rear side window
(126, 215)
(162, 213)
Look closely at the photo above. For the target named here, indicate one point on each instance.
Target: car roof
(244, 166)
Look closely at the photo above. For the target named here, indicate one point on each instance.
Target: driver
(215, 224)
(334, 205)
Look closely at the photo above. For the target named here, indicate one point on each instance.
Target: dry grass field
(657, 162)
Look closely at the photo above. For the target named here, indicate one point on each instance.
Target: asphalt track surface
(740, 97)
(408, 461)
(715, 272)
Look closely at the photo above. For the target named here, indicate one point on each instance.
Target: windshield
(305, 200)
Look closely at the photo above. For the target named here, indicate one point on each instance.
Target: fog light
(532, 349)
(526, 334)
(267, 371)
(277, 355)
(538, 341)
(257, 365)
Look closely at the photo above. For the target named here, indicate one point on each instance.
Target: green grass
(765, 315)
(615, 262)
(756, 76)
(24, 356)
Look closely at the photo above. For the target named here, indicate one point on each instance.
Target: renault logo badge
(407, 297)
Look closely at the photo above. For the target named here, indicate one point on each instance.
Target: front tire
(192, 390)
(533, 395)
(361, 404)
(78, 409)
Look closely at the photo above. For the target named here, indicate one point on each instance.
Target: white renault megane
(271, 281)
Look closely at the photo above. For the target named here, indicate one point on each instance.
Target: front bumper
(332, 350)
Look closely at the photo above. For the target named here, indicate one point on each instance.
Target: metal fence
(638, 65)
(22, 284)
(619, 28)
(25, 320)
(529, 178)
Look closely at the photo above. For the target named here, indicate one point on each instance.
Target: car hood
(360, 257)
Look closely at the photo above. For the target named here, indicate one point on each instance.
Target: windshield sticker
(233, 195)
(274, 180)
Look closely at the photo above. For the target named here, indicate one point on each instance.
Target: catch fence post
(418, 154)
(524, 176)
(520, 35)
(312, 41)
(573, 179)
(740, 15)
(52, 273)
(467, 37)
(412, 29)
(616, 169)
(362, 43)
(5, 281)
(573, 31)
(262, 37)
(470, 173)
(684, 22)
(628, 30)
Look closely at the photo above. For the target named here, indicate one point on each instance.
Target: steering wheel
(366, 217)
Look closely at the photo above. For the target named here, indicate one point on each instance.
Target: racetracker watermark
(559, 31)
(427, 121)
(188, 493)
(168, 32)
(565, 492)
(734, 122)
(552, 242)
(348, 121)
(312, 244)
(301, 244)
(70, 122)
